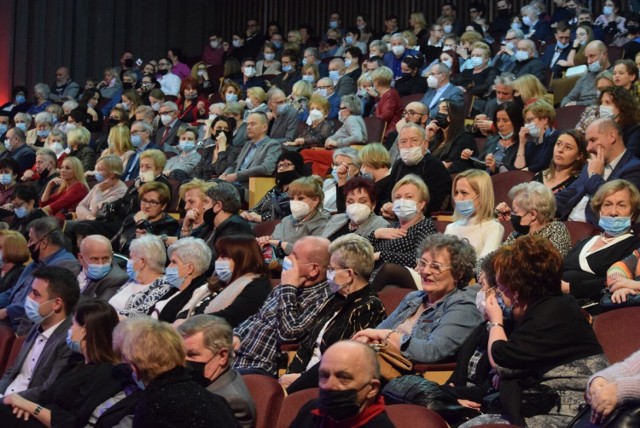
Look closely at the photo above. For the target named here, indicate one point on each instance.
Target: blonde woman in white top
(473, 216)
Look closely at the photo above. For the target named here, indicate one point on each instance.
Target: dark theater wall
(37, 36)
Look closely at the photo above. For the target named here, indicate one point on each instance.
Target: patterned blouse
(142, 302)
(556, 232)
(402, 251)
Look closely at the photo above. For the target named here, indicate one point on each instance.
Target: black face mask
(44, 174)
(35, 253)
(128, 62)
(127, 85)
(332, 42)
(227, 133)
(442, 120)
(521, 229)
(163, 72)
(633, 29)
(113, 122)
(209, 216)
(503, 12)
(286, 177)
(339, 405)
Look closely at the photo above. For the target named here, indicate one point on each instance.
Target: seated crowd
(141, 270)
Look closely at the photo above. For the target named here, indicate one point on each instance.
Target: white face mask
(481, 301)
(432, 81)
(358, 212)
(214, 44)
(249, 71)
(166, 119)
(534, 131)
(299, 209)
(146, 176)
(405, 209)
(397, 50)
(57, 148)
(606, 112)
(411, 156)
(155, 106)
(315, 115)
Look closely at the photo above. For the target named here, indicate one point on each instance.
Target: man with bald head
(64, 87)
(414, 112)
(100, 277)
(584, 92)
(289, 310)
(610, 160)
(349, 390)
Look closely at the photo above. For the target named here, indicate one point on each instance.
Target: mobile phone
(475, 159)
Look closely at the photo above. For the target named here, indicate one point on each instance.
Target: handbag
(109, 211)
(625, 416)
(392, 363)
(536, 400)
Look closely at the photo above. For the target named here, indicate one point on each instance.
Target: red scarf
(357, 421)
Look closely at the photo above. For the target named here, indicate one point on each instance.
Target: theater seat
(268, 395)
(7, 338)
(292, 404)
(567, 117)
(392, 296)
(375, 129)
(503, 182)
(15, 350)
(265, 228)
(404, 415)
(616, 334)
(579, 230)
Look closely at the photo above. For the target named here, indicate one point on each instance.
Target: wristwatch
(493, 324)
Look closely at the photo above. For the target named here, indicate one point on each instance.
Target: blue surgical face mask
(99, 177)
(22, 126)
(72, 344)
(348, 62)
(136, 140)
(3, 128)
(334, 174)
(522, 55)
(475, 61)
(20, 212)
(172, 276)
(562, 45)
(465, 208)
(6, 179)
(614, 226)
(130, 271)
(187, 146)
(277, 44)
(231, 97)
(286, 68)
(32, 310)
(282, 108)
(286, 264)
(348, 40)
(507, 311)
(223, 270)
(595, 67)
(308, 78)
(97, 272)
(334, 75)
(43, 134)
(20, 99)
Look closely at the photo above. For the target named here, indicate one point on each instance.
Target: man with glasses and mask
(169, 82)
(167, 135)
(47, 247)
(141, 139)
(290, 309)
(349, 381)
(440, 88)
(414, 112)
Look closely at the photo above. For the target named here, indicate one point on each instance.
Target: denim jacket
(439, 331)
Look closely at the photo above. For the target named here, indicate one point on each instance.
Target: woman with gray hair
(533, 211)
(189, 260)
(44, 124)
(41, 92)
(353, 131)
(147, 283)
(353, 307)
(430, 325)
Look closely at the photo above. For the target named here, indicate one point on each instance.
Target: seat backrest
(401, 414)
(292, 403)
(375, 129)
(578, 230)
(15, 350)
(174, 206)
(615, 332)
(265, 228)
(392, 296)
(441, 225)
(268, 395)
(7, 338)
(410, 98)
(615, 53)
(504, 181)
(568, 117)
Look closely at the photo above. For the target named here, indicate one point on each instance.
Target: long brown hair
(99, 319)
(246, 254)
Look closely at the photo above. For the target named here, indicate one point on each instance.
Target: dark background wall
(37, 36)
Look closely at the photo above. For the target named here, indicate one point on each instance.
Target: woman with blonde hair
(473, 216)
(318, 128)
(537, 137)
(256, 100)
(307, 218)
(529, 88)
(301, 92)
(119, 144)
(418, 25)
(62, 194)
(78, 142)
(110, 188)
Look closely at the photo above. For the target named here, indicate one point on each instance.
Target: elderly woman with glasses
(430, 325)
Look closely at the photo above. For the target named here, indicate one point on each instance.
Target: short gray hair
(69, 105)
(535, 196)
(355, 253)
(216, 332)
(49, 227)
(504, 79)
(42, 89)
(275, 91)
(339, 62)
(349, 152)
(148, 128)
(398, 37)
(382, 47)
(313, 51)
(444, 69)
(23, 116)
(461, 254)
(48, 153)
(352, 103)
(192, 250)
(151, 248)
(44, 117)
(171, 105)
(517, 33)
(227, 195)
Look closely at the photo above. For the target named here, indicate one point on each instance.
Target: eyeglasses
(166, 112)
(434, 267)
(411, 113)
(333, 269)
(285, 165)
(343, 108)
(150, 203)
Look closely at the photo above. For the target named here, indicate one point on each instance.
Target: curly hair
(461, 254)
(628, 110)
(531, 268)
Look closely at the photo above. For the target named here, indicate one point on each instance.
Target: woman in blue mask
(239, 287)
(182, 167)
(109, 188)
(147, 281)
(552, 348)
(585, 267)
(71, 399)
(18, 102)
(473, 216)
(537, 137)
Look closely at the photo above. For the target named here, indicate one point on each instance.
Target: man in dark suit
(343, 85)
(209, 343)
(167, 135)
(526, 62)
(536, 28)
(141, 140)
(553, 53)
(248, 79)
(53, 298)
(18, 150)
(284, 118)
(100, 277)
(440, 88)
(610, 160)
